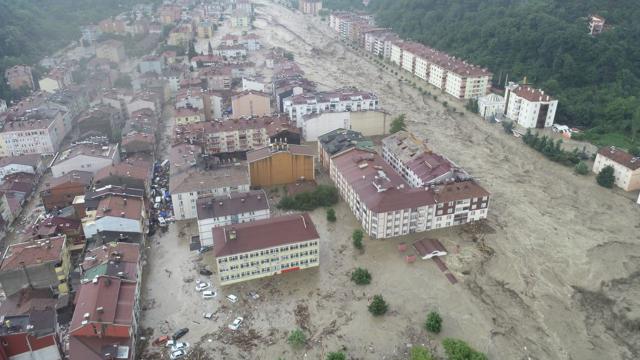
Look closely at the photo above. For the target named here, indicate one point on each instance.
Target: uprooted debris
(244, 340)
(302, 316)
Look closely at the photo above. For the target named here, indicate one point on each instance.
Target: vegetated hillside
(596, 79)
(31, 29)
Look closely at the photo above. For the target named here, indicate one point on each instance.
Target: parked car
(180, 346)
(236, 323)
(232, 298)
(208, 294)
(180, 333)
(178, 354)
(207, 316)
(161, 221)
(202, 286)
(206, 272)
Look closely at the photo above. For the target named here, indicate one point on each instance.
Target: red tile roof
(263, 234)
(531, 94)
(232, 204)
(115, 296)
(125, 252)
(140, 170)
(118, 206)
(33, 253)
(621, 157)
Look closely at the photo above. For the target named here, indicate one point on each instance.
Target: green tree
(361, 276)
(507, 126)
(606, 177)
(398, 124)
(191, 52)
(331, 215)
(297, 338)
(356, 237)
(123, 81)
(420, 353)
(459, 350)
(336, 355)
(378, 306)
(434, 322)
(581, 168)
(635, 151)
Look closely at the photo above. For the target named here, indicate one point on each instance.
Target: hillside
(596, 79)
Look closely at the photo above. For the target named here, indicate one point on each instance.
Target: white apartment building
(396, 53)
(368, 123)
(265, 248)
(529, 107)
(231, 209)
(386, 206)
(347, 99)
(85, 157)
(626, 167)
(39, 132)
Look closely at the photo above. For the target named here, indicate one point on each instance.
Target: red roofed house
(117, 217)
(137, 142)
(33, 335)
(265, 247)
(529, 107)
(626, 167)
(59, 192)
(130, 173)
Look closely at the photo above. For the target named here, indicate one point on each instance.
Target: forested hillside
(596, 79)
(30, 29)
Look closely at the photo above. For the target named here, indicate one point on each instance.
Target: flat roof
(196, 179)
(94, 150)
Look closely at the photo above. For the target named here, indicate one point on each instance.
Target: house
(281, 163)
(14, 192)
(626, 167)
(38, 264)
(184, 116)
(19, 77)
(490, 105)
(116, 259)
(257, 84)
(151, 63)
(311, 7)
(368, 122)
(131, 173)
(32, 335)
(386, 205)
(90, 201)
(58, 225)
(250, 103)
(59, 192)
(105, 320)
(251, 42)
(120, 218)
(236, 208)
(596, 24)
(230, 40)
(85, 157)
(31, 164)
(341, 100)
(112, 50)
(339, 140)
(529, 107)
(265, 248)
(100, 120)
(136, 142)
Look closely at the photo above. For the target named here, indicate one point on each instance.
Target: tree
(606, 177)
(191, 53)
(635, 151)
(361, 276)
(331, 215)
(420, 353)
(357, 238)
(507, 126)
(398, 124)
(581, 168)
(123, 81)
(433, 323)
(472, 105)
(378, 306)
(336, 355)
(297, 338)
(459, 350)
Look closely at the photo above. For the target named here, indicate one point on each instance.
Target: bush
(323, 195)
(433, 323)
(606, 178)
(378, 306)
(508, 126)
(460, 350)
(331, 215)
(581, 168)
(635, 151)
(336, 355)
(357, 238)
(297, 338)
(553, 149)
(420, 353)
(361, 276)
(398, 124)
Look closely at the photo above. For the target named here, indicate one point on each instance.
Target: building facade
(281, 163)
(368, 122)
(251, 103)
(626, 167)
(341, 100)
(529, 107)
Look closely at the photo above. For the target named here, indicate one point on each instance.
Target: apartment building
(368, 122)
(116, 218)
(112, 50)
(311, 7)
(344, 23)
(59, 192)
(183, 116)
(18, 77)
(30, 331)
(379, 42)
(529, 107)
(340, 100)
(387, 206)
(339, 140)
(626, 167)
(33, 132)
(250, 103)
(281, 163)
(85, 157)
(236, 208)
(265, 248)
(58, 78)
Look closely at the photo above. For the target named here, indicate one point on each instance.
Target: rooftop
(106, 300)
(267, 151)
(33, 253)
(82, 177)
(272, 124)
(621, 157)
(235, 203)
(120, 206)
(345, 94)
(529, 93)
(29, 160)
(205, 180)
(139, 170)
(93, 150)
(338, 140)
(263, 234)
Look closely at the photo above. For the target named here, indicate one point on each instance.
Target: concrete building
(33, 132)
(529, 107)
(339, 140)
(31, 333)
(490, 105)
(58, 78)
(19, 77)
(205, 29)
(151, 63)
(100, 120)
(59, 192)
(386, 205)
(596, 24)
(117, 218)
(112, 50)
(265, 248)
(341, 100)
(31, 164)
(626, 167)
(136, 142)
(40, 264)
(255, 84)
(369, 123)
(183, 116)
(133, 173)
(311, 7)
(281, 163)
(250, 103)
(240, 19)
(231, 209)
(85, 157)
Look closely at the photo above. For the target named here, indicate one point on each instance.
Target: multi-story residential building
(151, 63)
(39, 264)
(58, 78)
(117, 218)
(31, 164)
(112, 50)
(33, 132)
(311, 7)
(368, 122)
(379, 41)
(250, 103)
(205, 29)
(133, 173)
(626, 167)
(18, 77)
(183, 116)
(529, 107)
(30, 333)
(90, 34)
(236, 208)
(346, 99)
(3, 106)
(191, 97)
(386, 205)
(417, 164)
(281, 163)
(490, 105)
(251, 42)
(240, 19)
(59, 192)
(85, 157)
(339, 140)
(216, 78)
(100, 120)
(344, 23)
(265, 248)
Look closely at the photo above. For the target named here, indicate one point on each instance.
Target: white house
(236, 208)
(529, 107)
(85, 157)
(490, 105)
(626, 167)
